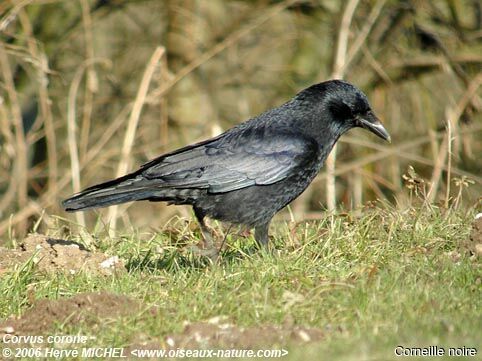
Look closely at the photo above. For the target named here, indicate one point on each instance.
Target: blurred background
(91, 89)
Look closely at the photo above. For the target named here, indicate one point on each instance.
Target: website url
(206, 353)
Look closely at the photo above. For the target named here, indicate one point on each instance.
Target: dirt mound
(87, 308)
(58, 255)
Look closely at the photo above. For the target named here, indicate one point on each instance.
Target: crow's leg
(261, 234)
(206, 232)
(209, 247)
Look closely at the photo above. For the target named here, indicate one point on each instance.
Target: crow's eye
(340, 110)
(363, 112)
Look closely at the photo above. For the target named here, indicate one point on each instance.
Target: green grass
(370, 282)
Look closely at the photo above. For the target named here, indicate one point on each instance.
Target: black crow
(250, 172)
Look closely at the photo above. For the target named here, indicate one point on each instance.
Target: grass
(369, 282)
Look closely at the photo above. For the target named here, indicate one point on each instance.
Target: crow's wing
(234, 161)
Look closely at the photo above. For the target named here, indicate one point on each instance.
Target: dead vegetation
(115, 83)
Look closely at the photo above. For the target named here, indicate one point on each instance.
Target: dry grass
(71, 96)
(366, 283)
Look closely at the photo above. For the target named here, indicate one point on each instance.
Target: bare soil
(473, 245)
(58, 255)
(476, 237)
(214, 334)
(226, 335)
(83, 308)
(95, 309)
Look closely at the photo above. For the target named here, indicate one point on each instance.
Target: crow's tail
(125, 189)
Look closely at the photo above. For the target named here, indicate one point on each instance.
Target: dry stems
(20, 175)
(133, 122)
(338, 66)
(385, 62)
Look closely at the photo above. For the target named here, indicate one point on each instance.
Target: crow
(251, 171)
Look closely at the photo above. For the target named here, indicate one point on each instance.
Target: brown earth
(91, 308)
(473, 245)
(213, 334)
(476, 236)
(84, 308)
(58, 255)
(226, 335)
(95, 309)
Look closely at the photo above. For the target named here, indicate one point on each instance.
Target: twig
(92, 82)
(362, 36)
(7, 19)
(342, 42)
(376, 65)
(48, 198)
(388, 152)
(450, 125)
(400, 153)
(9, 151)
(72, 139)
(453, 116)
(338, 67)
(164, 128)
(71, 132)
(21, 166)
(219, 47)
(44, 101)
(132, 124)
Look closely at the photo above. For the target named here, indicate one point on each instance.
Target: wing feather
(234, 161)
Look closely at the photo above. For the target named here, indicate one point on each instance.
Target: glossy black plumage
(251, 171)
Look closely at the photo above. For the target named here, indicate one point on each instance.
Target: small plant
(461, 183)
(415, 184)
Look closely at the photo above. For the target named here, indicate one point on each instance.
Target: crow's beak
(373, 124)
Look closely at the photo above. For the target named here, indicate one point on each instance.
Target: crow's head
(344, 106)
